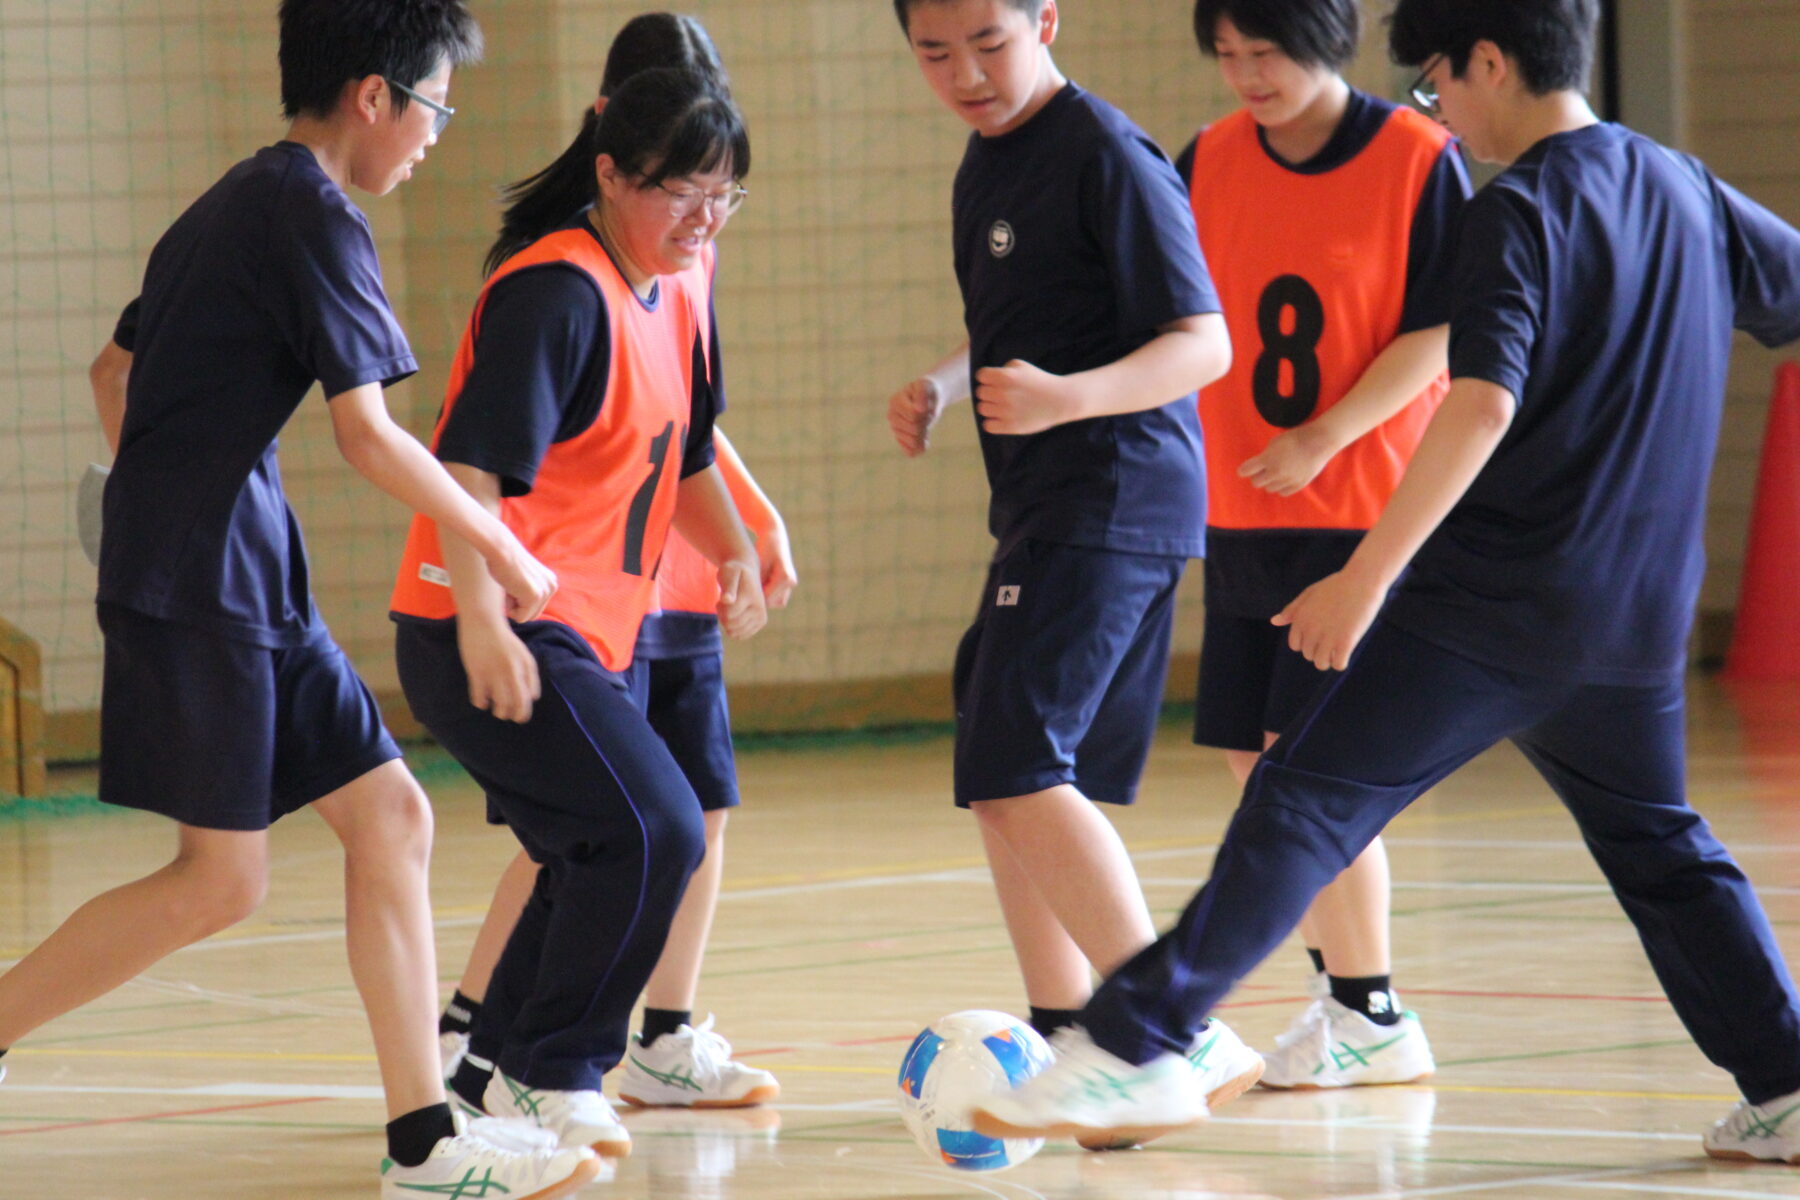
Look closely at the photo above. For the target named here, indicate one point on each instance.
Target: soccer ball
(951, 1066)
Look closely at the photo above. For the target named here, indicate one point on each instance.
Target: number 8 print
(1299, 349)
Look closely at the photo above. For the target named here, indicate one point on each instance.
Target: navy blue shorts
(1250, 683)
(685, 700)
(1060, 678)
(222, 734)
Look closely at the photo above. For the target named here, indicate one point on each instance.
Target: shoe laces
(1749, 1120)
(1314, 1026)
(708, 1051)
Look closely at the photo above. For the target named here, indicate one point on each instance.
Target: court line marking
(1557, 1179)
(1671, 1190)
(194, 1112)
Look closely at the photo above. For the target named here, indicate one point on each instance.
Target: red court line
(188, 1112)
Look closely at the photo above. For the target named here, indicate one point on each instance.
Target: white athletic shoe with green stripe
(1765, 1132)
(472, 1167)
(1224, 1069)
(692, 1068)
(577, 1118)
(1090, 1095)
(1330, 1046)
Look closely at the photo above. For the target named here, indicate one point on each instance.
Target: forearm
(394, 461)
(1182, 358)
(951, 375)
(479, 599)
(108, 375)
(753, 504)
(706, 517)
(1457, 444)
(1392, 381)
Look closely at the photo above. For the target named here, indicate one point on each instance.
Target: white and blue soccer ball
(958, 1061)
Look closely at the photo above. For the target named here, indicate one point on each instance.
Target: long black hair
(540, 203)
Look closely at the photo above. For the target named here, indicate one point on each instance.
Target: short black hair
(1314, 33)
(903, 9)
(1551, 40)
(328, 43)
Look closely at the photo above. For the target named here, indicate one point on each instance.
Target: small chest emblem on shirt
(1001, 240)
(1008, 597)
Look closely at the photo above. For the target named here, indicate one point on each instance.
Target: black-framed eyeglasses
(688, 201)
(440, 113)
(1424, 93)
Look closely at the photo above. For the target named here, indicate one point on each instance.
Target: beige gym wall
(835, 287)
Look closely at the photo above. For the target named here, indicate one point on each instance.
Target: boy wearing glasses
(1091, 323)
(1309, 201)
(225, 704)
(1552, 519)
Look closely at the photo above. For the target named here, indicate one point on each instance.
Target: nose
(968, 74)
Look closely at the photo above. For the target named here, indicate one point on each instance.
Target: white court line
(935, 1175)
(1665, 1189)
(253, 1091)
(1379, 1124)
(1560, 1179)
(979, 875)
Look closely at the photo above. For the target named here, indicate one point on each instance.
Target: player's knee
(217, 895)
(396, 826)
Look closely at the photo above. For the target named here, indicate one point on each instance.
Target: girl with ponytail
(580, 410)
(676, 672)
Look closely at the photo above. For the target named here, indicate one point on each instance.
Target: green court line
(41, 1044)
(865, 936)
(859, 962)
(1499, 1058)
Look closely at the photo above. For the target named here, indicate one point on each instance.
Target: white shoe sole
(760, 1095)
(989, 1125)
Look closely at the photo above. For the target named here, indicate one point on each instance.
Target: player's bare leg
(691, 1066)
(1066, 848)
(385, 824)
(1057, 974)
(510, 895)
(218, 878)
(676, 979)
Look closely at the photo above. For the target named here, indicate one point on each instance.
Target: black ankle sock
(1371, 995)
(459, 1015)
(658, 1021)
(1048, 1020)
(471, 1080)
(410, 1138)
(1318, 958)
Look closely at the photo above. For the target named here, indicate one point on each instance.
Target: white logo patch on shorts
(1008, 597)
(1001, 240)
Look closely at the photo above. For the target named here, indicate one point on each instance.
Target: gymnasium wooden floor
(856, 910)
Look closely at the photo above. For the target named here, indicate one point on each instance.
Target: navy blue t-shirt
(266, 284)
(1598, 280)
(543, 354)
(1074, 244)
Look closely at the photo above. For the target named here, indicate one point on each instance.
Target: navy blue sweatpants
(1404, 715)
(595, 798)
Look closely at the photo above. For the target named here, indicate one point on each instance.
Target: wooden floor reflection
(856, 909)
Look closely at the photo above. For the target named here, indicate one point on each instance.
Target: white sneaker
(1089, 1094)
(692, 1068)
(470, 1165)
(1224, 1069)
(1330, 1046)
(508, 1134)
(1767, 1132)
(451, 1048)
(577, 1118)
